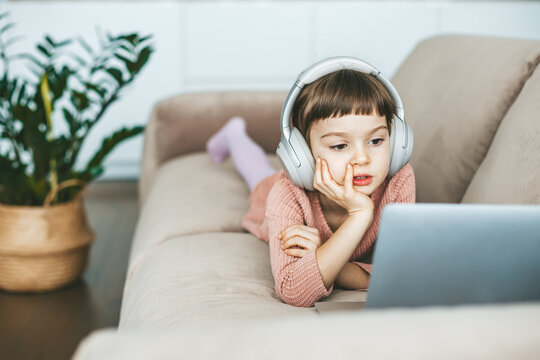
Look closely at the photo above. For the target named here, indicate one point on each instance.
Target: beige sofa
(198, 286)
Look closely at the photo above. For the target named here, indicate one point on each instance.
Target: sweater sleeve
(298, 281)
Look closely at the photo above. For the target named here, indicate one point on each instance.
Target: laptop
(452, 254)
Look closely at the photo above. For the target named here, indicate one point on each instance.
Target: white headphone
(293, 151)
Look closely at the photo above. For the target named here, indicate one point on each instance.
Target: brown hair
(340, 93)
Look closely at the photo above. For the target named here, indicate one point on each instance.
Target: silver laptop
(452, 254)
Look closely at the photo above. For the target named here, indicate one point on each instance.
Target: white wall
(209, 45)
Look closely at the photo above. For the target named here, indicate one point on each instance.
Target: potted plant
(44, 233)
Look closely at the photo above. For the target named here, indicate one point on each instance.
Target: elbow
(295, 297)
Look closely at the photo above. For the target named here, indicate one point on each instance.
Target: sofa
(198, 286)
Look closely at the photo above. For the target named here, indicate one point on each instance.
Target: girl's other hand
(306, 237)
(355, 202)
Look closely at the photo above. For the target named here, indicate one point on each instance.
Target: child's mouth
(362, 180)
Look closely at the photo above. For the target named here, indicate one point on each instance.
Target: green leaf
(96, 68)
(44, 50)
(6, 27)
(108, 145)
(78, 59)
(131, 38)
(85, 45)
(144, 38)
(13, 40)
(95, 171)
(64, 43)
(22, 92)
(96, 88)
(73, 124)
(130, 65)
(144, 56)
(80, 100)
(59, 147)
(29, 57)
(116, 74)
(129, 49)
(50, 41)
(21, 112)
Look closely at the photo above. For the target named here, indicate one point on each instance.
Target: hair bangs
(343, 92)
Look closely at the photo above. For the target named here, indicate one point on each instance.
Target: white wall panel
(519, 19)
(381, 33)
(246, 45)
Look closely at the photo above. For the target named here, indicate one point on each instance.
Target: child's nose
(361, 157)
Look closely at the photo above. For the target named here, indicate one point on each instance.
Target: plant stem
(46, 96)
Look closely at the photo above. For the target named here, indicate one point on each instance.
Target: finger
(349, 179)
(329, 181)
(296, 228)
(305, 232)
(310, 235)
(326, 176)
(299, 253)
(285, 233)
(299, 241)
(319, 183)
(317, 178)
(303, 240)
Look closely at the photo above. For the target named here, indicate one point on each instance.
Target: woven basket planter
(43, 248)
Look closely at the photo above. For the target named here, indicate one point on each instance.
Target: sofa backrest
(183, 123)
(456, 89)
(510, 172)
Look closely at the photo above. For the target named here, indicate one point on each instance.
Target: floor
(49, 326)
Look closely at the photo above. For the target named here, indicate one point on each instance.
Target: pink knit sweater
(276, 203)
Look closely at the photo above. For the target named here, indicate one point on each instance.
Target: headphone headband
(325, 67)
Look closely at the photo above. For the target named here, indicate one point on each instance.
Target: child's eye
(376, 141)
(338, 147)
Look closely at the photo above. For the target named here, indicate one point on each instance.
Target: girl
(322, 238)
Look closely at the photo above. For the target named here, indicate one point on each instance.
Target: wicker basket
(43, 248)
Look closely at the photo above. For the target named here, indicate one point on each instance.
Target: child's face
(361, 140)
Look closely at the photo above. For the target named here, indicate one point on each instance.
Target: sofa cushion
(191, 195)
(202, 278)
(510, 172)
(455, 90)
(487, 332)
(205, 278)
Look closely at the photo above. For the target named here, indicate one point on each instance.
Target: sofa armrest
(489, 331)
(183, 123)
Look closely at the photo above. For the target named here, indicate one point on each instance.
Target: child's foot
(218, 145)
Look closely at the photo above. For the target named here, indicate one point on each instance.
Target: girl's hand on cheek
(305, 237)
(355, 202)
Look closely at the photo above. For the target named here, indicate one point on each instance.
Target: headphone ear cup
(401, 144)
(284, 154)
(306, 170)
(302, 175)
